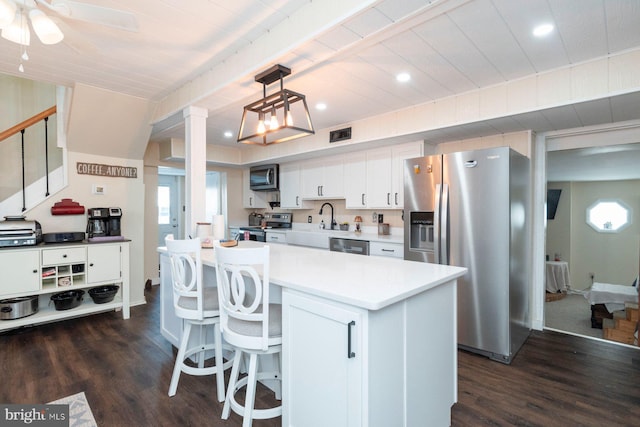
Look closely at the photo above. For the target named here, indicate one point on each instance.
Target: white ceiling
(349, 61)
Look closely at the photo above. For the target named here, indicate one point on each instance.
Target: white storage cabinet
(46, 270)
(323, 178)
(347, 366)
(375, 179)
(291, 187)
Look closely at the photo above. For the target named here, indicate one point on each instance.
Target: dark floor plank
(124, 368)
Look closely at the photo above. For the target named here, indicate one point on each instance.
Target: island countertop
(367, 282)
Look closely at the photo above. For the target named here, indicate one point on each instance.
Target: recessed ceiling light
(321, 106)
(403, 77)
(542, 30)
(228, 134)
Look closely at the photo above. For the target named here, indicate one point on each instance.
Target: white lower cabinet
(395, 366)
(276, 237)
(395, 250)
(104, 263)
(20, 271)
(323, 362)
(50, 269)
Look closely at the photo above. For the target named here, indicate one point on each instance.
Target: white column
(195, 164)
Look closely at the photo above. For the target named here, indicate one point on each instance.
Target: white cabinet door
(20, 271)
(290, 187)
(355, 180)
(333, 178)
(323, 178)
(323, 358)
(311, 175)
(398, 155)
(252, 199)
(379, 179)
(104, 263)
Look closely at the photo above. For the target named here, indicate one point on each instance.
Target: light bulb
(7, 13)
(274, 121)
(289, 118)
(46, 30)
(261, 127)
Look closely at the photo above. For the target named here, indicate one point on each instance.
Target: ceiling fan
(13, 18)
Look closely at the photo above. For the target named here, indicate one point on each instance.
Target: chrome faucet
(333, 221)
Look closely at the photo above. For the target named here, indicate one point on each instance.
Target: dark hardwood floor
(124, 368)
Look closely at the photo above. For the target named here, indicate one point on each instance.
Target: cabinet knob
(91, 265)
(35, 271)
(64, 255)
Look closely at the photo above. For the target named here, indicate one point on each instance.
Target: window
(164, 205)
(609, 216)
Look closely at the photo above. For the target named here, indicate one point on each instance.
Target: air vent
(339, 135)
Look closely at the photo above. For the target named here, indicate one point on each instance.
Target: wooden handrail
(25, 124)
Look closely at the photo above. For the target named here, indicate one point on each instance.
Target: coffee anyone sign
(106, 170)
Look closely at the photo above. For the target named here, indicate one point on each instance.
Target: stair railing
(21, 127)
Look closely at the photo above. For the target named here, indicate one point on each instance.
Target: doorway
(583, 176)
(171, 200)
(169, 218)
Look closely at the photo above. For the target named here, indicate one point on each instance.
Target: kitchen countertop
(371, 283)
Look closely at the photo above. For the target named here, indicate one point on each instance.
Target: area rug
(80, 414)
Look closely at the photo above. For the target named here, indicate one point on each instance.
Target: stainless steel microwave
(264, 178)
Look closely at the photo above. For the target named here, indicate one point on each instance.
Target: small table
(557, 276)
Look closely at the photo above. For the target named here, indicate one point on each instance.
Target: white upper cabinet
(355, 180)
(323, 178)
(375, 179)
(252, 199)
(379, 179)
(291, 187)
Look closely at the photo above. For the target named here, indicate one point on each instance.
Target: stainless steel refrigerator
(471, 209)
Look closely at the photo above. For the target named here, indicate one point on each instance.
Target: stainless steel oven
(252, 233)
(280, 221)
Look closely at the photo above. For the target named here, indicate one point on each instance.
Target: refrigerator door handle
(443, 208)
(436, 225)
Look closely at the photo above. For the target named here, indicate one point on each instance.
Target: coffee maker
(103, 222)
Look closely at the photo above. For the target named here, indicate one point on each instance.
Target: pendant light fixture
(279, 117)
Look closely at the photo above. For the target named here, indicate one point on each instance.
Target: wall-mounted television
(553, 196)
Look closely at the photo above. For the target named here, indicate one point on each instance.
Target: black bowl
(67, 299)
(103, 294)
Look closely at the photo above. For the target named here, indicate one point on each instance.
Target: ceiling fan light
(7, 13)
(16, 32)
(46, 30)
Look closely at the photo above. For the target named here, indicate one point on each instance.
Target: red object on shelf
(67, 207)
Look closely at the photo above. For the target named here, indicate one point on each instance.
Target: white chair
(249, 323)
(198, 306)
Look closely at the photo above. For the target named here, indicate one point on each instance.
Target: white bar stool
(249, 323)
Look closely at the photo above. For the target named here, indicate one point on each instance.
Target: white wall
(125, 193)
(612, 257)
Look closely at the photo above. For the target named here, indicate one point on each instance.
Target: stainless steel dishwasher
(351, 246)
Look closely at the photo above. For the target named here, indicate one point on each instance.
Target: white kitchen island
(367, 341)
